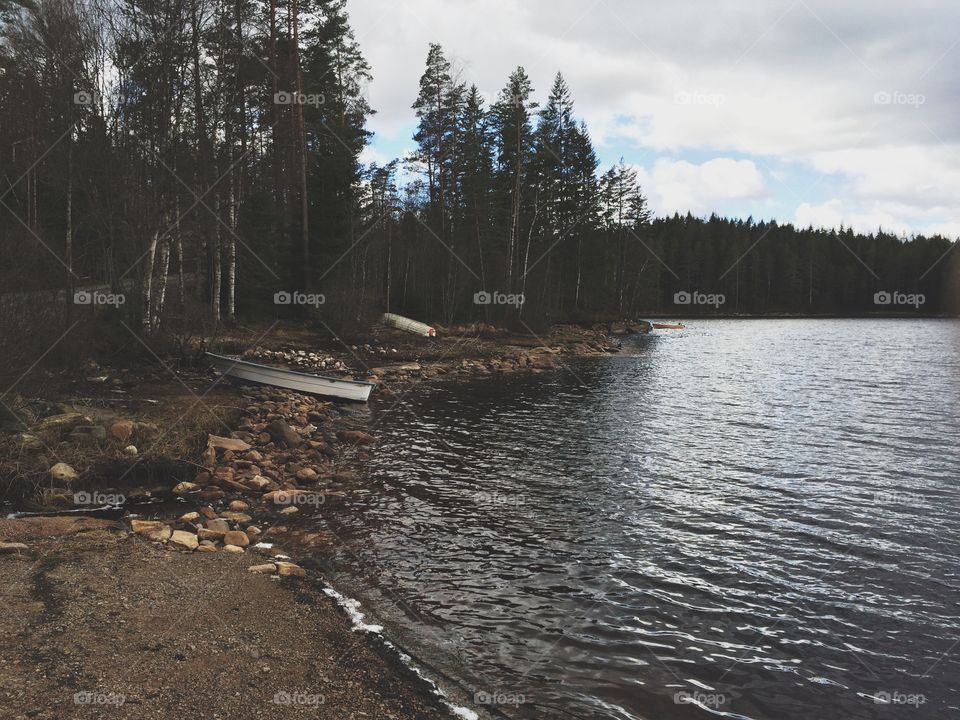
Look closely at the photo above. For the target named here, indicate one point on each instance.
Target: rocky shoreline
(256, 487)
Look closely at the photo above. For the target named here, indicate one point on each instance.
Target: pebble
(233, 549)
(264, 569)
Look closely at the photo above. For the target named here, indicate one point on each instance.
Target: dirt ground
(107, 625)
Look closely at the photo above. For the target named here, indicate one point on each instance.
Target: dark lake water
(748, 519)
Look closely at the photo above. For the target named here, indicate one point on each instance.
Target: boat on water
(668, 326)
(357, 390)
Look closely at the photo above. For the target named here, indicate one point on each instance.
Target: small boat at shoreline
(356, 390)
(407, 325)
(669, 326)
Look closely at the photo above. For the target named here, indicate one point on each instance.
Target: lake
(745, 519)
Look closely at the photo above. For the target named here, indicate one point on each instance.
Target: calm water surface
(748, 519)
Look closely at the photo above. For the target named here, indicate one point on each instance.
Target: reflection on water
(751, 519)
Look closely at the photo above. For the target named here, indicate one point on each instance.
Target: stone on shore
(289, 569)
(151, 529)
(225, 443)
(184, 488)
(265, 569)
(211, 535)
(356, 437)
(307, 475)
(236, 516)
(236, 537)
(130, 450)
(122, 430)
(63, 473)
(281, 432)
(219, 525)
(190, 517)
(233, 549)
(238, 505)
(184, 539)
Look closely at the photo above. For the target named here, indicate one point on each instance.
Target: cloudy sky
(808, 111)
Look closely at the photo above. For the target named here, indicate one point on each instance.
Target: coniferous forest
(197, 157)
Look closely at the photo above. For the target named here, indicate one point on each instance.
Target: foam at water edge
(352, 606)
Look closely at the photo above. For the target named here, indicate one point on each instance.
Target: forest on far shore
(198, 161)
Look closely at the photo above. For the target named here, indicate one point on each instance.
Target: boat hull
(407, 325)
(355, 390)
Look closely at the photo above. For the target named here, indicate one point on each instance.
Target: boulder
(281, 432)
(206, 548)
(63, 473)
(233, 549)
(238, 505)
(265, 569)
(184, 539)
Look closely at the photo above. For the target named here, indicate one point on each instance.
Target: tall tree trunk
(301, 139)
(148, 283)
(68, 240)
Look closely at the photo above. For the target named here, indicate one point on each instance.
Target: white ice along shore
(352, 608)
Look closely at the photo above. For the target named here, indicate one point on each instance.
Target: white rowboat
(407, 325)
(357, 390)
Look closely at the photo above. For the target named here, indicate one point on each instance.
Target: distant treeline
(221, 140)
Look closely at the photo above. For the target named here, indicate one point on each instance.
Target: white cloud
(679, 185)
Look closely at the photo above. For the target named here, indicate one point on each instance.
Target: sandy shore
(105, 624)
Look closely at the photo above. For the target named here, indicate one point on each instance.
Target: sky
(815, 112)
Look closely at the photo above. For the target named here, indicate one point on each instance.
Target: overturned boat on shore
(246, 371)
(407, 325)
